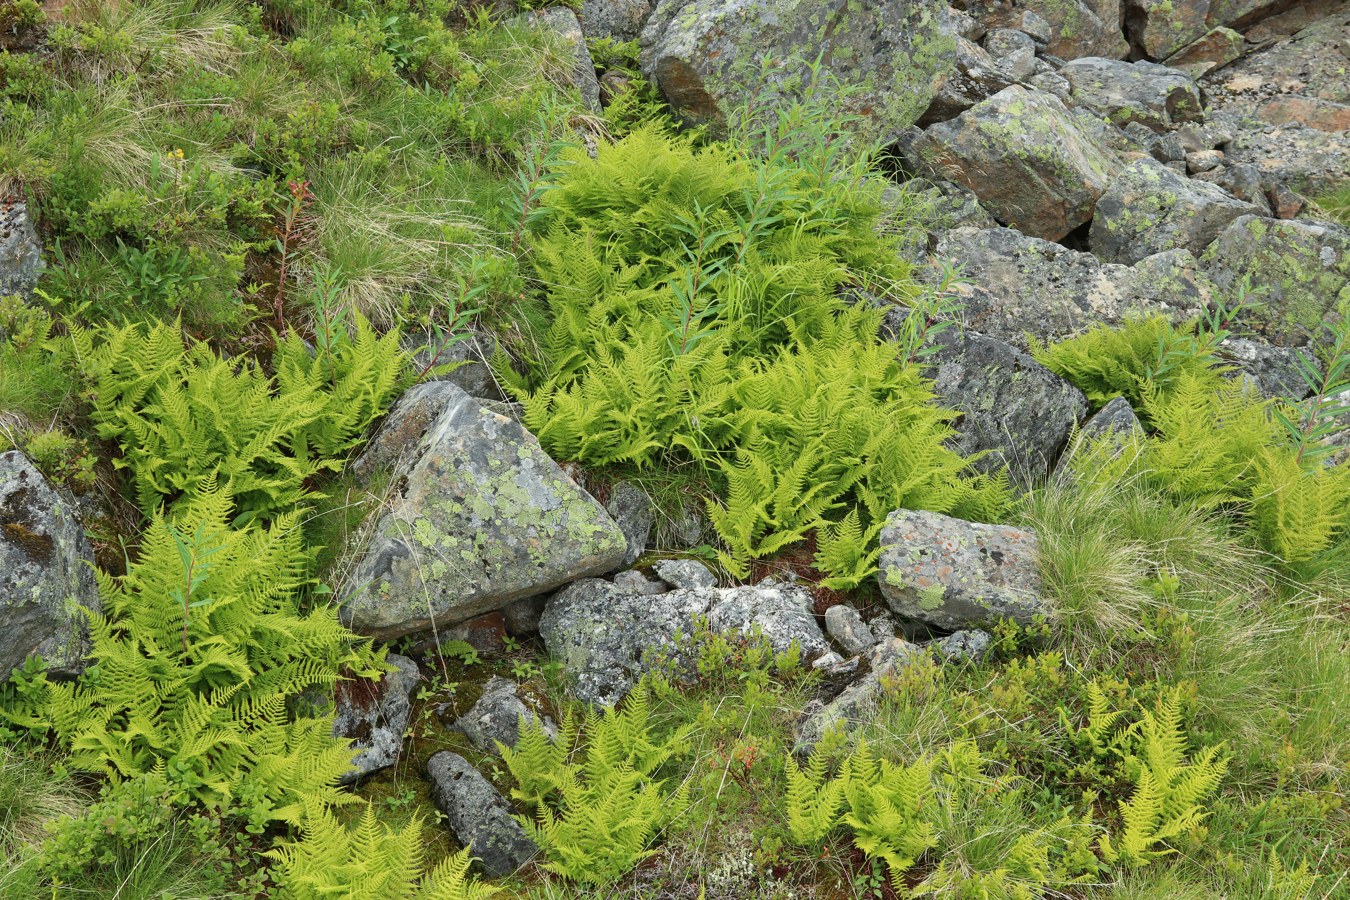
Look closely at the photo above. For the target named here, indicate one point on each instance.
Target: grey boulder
(20, 253)
(563, 22)
(846, 626)
(618, 20)
(1033, 164)
(479, 518)
(607, 638)
(954, 574)
(706, 55)
(1143, 92)
(1149, 209)
(684, 574)
(374, 715)
(497, 716)
(46, 573)
(479, 815)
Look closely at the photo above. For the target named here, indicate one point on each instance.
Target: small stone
(479, 815)
(684, 574)
(965, 645)
(1035, 26)
(1204, 160)
(496, 717)
(828, 661)
(634, 582)
(374, 715)
(1285, 203)
(632, 510)
(846, 626)
(954, 574)
(21, 261)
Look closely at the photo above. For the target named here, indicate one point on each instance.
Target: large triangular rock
(478, 517)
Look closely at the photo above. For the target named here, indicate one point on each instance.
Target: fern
(812, 801)
(1168, 790)
(367, 860)
(884, 808)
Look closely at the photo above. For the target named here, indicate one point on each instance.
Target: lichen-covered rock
(1159, 28)
(398, 442)
(1010, 406)
(618, 20)
(706, 55)
(1022, 285)
(607, 638)
(1116, 421)
(632, 510)
(684, 574)
(373, 715)
(1142, 92)
(1149, 209)
(961, 646)
(20, 253)
(1298, 269)
(1076, 27)
(1032, 163)
(477, 813)
(1013, 53)
(848, 629)
(564, 23)
(473, 352)
(857, 704)
(1276, 370)
(497, 716)
(954, 574)
(480, 518)
(975, 76)
(46, 573)
(1214, 49)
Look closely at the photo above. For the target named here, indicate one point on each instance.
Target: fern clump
(367, 859)
(198, 650)
(185, 417)
(598, 807)
(696, 318)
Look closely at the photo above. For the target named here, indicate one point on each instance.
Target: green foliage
(1165, 803)
(695, 317)
(598, 808)
(176, 412)
(883, 807)
(367, 859)
(812, 801)
(196, 655)
(1145, 356)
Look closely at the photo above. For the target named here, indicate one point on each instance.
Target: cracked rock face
(705, 54)
(46, 572)
(479, 518)
(954, 574)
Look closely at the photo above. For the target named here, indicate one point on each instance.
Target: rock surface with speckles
(619, 20)
(1033, 164)
(1143, 92)
(607, 637)
(1014, 409)
(479, 815)
(374, 715)
(954, 574)
(706, 54)
(479, 518)
(497, 716)
(1299, 272)
(1149, 209)
(46, 572)
(1076, 27)
(20, 254)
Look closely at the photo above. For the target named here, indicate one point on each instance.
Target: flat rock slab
(479, 815)
(706, 55)
(607, 638)
(1033, 164)
(1012, 408)
(1149, 208)
(375, 714)
(953, 574)
(1299, 272)
(46, 573)
(482, 517)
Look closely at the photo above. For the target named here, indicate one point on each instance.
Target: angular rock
(1159, 28)
(482, 517)
(474, 374)
(975, 77)
(1116, 420)
(46, 573)
(607, 638)
(618, 20)
(479, 815)
(1242, 181)
(1149, 209)
(20, 253)
(497, 716)
(1011, 406)
(1143, 92)
(1013, 53)
(631, 509)
(1299, 270)
(1076, 27)
(684, 574)
(1203, 160)
(848, 629)
(705, 55)
(1212, 50)
(398, 442)
(1032, 164)
(564, 23)
(1274, 369)
(965, 645)
(954, 574)
(857, 704)
(374, 715)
